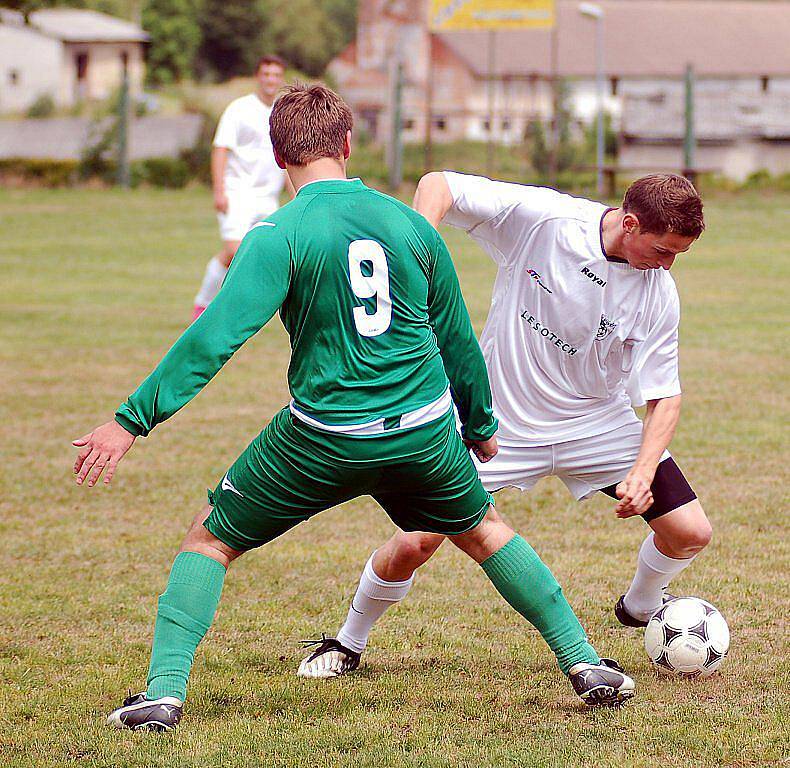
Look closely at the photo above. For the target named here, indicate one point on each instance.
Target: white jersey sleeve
(655, 372)
(498, 214)
(227, 130)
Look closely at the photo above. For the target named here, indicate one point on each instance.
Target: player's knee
(413, 549)
(699, 537)
(199, 539)
(694, 538)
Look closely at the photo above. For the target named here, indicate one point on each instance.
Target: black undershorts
(670, 490)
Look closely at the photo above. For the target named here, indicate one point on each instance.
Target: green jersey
(367, 291)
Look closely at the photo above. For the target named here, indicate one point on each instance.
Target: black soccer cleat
(601, 685)
(139, 713)
(626, 619)
(330, 659)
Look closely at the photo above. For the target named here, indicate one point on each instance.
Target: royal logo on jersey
(539, 280)
(589, 273)
(605, 328)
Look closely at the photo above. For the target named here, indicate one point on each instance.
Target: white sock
(373, 597)
(654, 571)
(212, 280)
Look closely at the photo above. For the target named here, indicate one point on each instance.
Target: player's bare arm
(219, 159)
(99, 450)
(660, 422)
(433, 197)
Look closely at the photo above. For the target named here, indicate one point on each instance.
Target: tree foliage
(234, 36)
(225, 38)
(175, 37)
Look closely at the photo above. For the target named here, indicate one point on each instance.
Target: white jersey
(244, 130)
(572, 339)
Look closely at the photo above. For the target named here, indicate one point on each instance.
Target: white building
(483, 85)
(68, 54)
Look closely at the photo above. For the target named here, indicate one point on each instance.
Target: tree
(175, 37)
(234, 36)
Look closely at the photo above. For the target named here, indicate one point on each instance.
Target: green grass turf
(97, 284)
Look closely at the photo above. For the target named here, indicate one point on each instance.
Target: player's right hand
(220, 202)
(485, 450)
(100, 449)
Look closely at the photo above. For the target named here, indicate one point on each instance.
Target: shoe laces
(309, 643)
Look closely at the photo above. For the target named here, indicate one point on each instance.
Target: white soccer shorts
(585, 465)
(245, 209)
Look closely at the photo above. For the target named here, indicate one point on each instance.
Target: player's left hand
(485, 450)
(102, 448)
(634, 493)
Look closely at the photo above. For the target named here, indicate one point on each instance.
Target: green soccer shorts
(423, 478)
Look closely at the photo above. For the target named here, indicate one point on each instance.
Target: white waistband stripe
(417, 418)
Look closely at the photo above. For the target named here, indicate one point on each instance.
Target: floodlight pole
(595, 12)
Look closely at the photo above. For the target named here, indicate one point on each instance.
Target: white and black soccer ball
(687, 636)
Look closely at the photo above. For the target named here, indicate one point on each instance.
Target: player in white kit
(583, 326)
(246, 179)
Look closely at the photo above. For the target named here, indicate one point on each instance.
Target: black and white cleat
(330, 659)
(626, 619)
(601, 685)
(140, 713)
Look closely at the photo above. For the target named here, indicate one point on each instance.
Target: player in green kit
(381, 347)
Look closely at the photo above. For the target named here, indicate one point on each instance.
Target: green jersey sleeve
(461, 354)
(255, 287)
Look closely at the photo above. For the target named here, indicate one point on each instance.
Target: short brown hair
(309, 122)
(665, 202)
(270, 58)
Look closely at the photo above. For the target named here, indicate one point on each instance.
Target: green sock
(522, 578)
(186, 610)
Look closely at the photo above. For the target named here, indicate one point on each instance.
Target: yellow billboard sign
(490, 14)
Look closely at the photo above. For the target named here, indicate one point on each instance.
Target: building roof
(76, 25)
(644, 38)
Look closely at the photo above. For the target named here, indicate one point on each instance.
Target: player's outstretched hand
(100, 449)
(485, 450)
(634, 494)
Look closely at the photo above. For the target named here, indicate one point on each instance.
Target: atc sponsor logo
(539, 280)
(605, 328)
(589, 273)
(547, 333)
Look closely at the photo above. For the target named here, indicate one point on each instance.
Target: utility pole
(396, 136)
(689, 139)
(491, 105)
(122, 178)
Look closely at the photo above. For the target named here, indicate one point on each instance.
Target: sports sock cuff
(217, 268)
(198, 571)
(657, 560)
(376, 588)
(510, 561)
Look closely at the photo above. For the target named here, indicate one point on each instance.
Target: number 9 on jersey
(369, 273)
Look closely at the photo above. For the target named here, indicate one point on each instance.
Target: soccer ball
(687, 636)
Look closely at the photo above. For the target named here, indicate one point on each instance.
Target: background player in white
(583, 326)
(246, 179)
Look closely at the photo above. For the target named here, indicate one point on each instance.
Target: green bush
(168, 172)
(46, 173)
(43, 106)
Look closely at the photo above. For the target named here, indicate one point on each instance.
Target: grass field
(97, 284)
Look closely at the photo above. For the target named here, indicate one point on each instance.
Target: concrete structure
(735, 46)
(65, 138)
(67, 53)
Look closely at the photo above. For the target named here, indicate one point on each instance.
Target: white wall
(34, 62)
